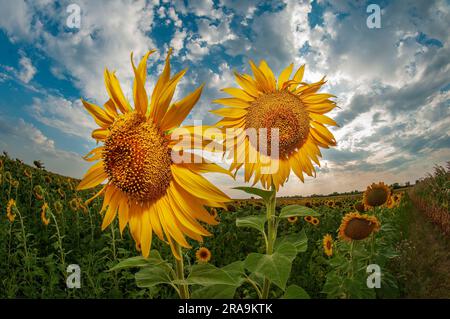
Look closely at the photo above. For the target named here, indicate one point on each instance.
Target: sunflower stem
(271, 236)
(183, 288)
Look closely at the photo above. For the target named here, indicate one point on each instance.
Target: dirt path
(427, 260)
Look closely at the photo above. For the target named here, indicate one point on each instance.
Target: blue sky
(392, 83)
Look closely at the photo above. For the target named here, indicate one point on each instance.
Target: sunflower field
(46, 226)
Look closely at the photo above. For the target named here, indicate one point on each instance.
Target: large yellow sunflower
(145, 187)
(287, 104)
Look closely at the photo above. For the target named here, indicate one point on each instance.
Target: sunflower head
(360, 207)
(38, 192)
(357, 227)
(10, 213)
(328, 245)
(315, 221)
(74, 204)
(292, 219)
(47, 179)
(308, 219)
(145, 186)
(376, 195)
(284, 112)
(58, 206)
(203, 255)
(15, 183)
(44, 214)
(27, 173)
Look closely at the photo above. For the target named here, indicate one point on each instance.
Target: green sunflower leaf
(266, 195)
(297, 210)
(299, 240)
(153, 259)
(257, 222)
(276, 267)
(295, 292)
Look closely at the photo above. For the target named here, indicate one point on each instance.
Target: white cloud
(27, 70)
(69, 117)
(23, 140)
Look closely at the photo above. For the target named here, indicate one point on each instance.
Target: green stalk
(271, 235)
(24, 236)
(183, 289)
(61, 249)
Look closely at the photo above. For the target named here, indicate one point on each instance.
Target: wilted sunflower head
(38, 192)
(145, 187)
(376, 195)
(292, 219)
(203, 255)
(264, 105)
(27, 173)
(10, 213)
(328, 245)
(44, 214)
(357, 227)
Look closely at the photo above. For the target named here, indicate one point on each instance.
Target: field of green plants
(46, 225)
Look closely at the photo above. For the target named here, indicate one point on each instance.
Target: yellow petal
(267, 71)
(180, 110)
(247, 85)
(116, 201)
(146, 233)
(100, 116)
(230, 112)
(100, 134)
(115, 92)
(94, 176)
(197, 184)
(161, 83)
(94, 155)
(284, 76)
(139, 94)
(231, 101)
(322, 119)
(239, 94)
(163, 102)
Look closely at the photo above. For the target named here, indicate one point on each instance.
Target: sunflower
(10, 210)
(376, 195)
(58, 206)
(391, 203)
(38, 192)
(44, 218)
(357, 227)
(315, 221)
(264, 103)
(359, 206)
(61, 193)
(203, 255)
(292, 219)
(308, 219)
(328, 245)
(74, 204)
(145, 187)
(27, 173)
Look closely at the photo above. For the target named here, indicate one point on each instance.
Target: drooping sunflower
(146, 188)
(263, 103)
(44, 210)
(376, 195)
(10, 210)
(355, 226)
(328, 245)
(203, 255)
